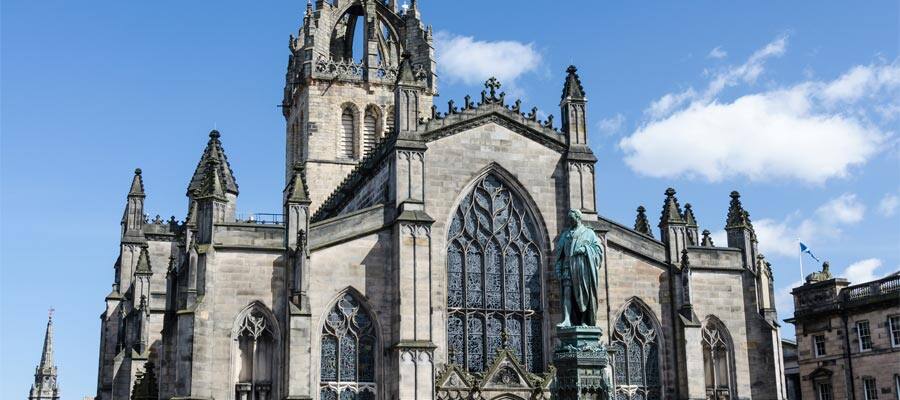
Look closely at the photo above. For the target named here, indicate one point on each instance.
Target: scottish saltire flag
(805, 249)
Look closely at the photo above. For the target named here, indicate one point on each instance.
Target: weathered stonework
(348, 294)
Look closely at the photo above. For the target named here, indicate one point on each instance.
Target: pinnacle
(297, 192)
(137, 184)
(689, 215)
(671, 212)
(641, 224)
(572, 89)
(214, 151)
(143, 263)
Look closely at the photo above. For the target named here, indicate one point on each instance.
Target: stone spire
(297, 191)
(691, 226)
(739, 230)
(572, 89)
(672, 228)
(137, 184)
(214, 151)
(737, 216)
(133, 218)
(641, 224)
(671, 212)
(45, 384)
(211, 182)
(572, 108)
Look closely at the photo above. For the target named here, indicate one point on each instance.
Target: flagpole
(801, 260)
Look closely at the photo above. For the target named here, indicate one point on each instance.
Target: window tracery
(635, 340)
(255, 353)
(347, 370)
(494, 278)
(716, 361)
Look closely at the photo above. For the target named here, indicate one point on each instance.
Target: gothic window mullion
(491, 219)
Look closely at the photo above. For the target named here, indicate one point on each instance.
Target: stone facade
(413, 256)
(848, 337)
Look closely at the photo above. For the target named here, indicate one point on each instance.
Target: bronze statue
(578, 259)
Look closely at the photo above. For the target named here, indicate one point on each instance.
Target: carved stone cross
(493, 84)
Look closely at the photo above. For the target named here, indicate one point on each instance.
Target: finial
(214, 134)
(670, 192)
(50, 313)
(493, 84)
(137, 171)
(707, 239)
(572, 69)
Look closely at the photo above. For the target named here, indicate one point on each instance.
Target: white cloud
(611, 125)
(888, 205)
(717, 53)
(827, 222)
(844, 209)
(791, 133)
(863, 271)
(470, 61)
(862, 80)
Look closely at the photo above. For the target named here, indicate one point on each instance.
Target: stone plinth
(582, 364)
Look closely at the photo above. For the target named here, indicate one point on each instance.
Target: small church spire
(737, 216)
(45, 382)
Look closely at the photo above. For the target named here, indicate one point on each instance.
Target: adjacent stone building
(848, 337)
(413, 256)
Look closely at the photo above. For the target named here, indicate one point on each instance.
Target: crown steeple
(45, 383)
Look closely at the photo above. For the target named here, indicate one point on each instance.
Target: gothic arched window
(494, 279)
(716, 360)
(347, 144)
(635, 340)
(254, 354)
(348, 353)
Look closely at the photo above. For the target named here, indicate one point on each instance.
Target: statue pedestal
(582, 364)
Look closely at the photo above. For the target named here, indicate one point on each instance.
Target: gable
(495, 113)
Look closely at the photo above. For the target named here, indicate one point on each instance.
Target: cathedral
(414, 254)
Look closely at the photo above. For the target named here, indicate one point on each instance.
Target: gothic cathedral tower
(339, 86)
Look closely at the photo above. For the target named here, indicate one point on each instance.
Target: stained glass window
(636, 363)
(347, 370)
(494, 279)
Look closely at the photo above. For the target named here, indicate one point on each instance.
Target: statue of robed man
(578, 260)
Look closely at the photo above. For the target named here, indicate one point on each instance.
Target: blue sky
(795, 104)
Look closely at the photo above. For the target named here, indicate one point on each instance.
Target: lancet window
(635, 339)
(716, 361)
(347, 370)
(254, 356)
(494, 277)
